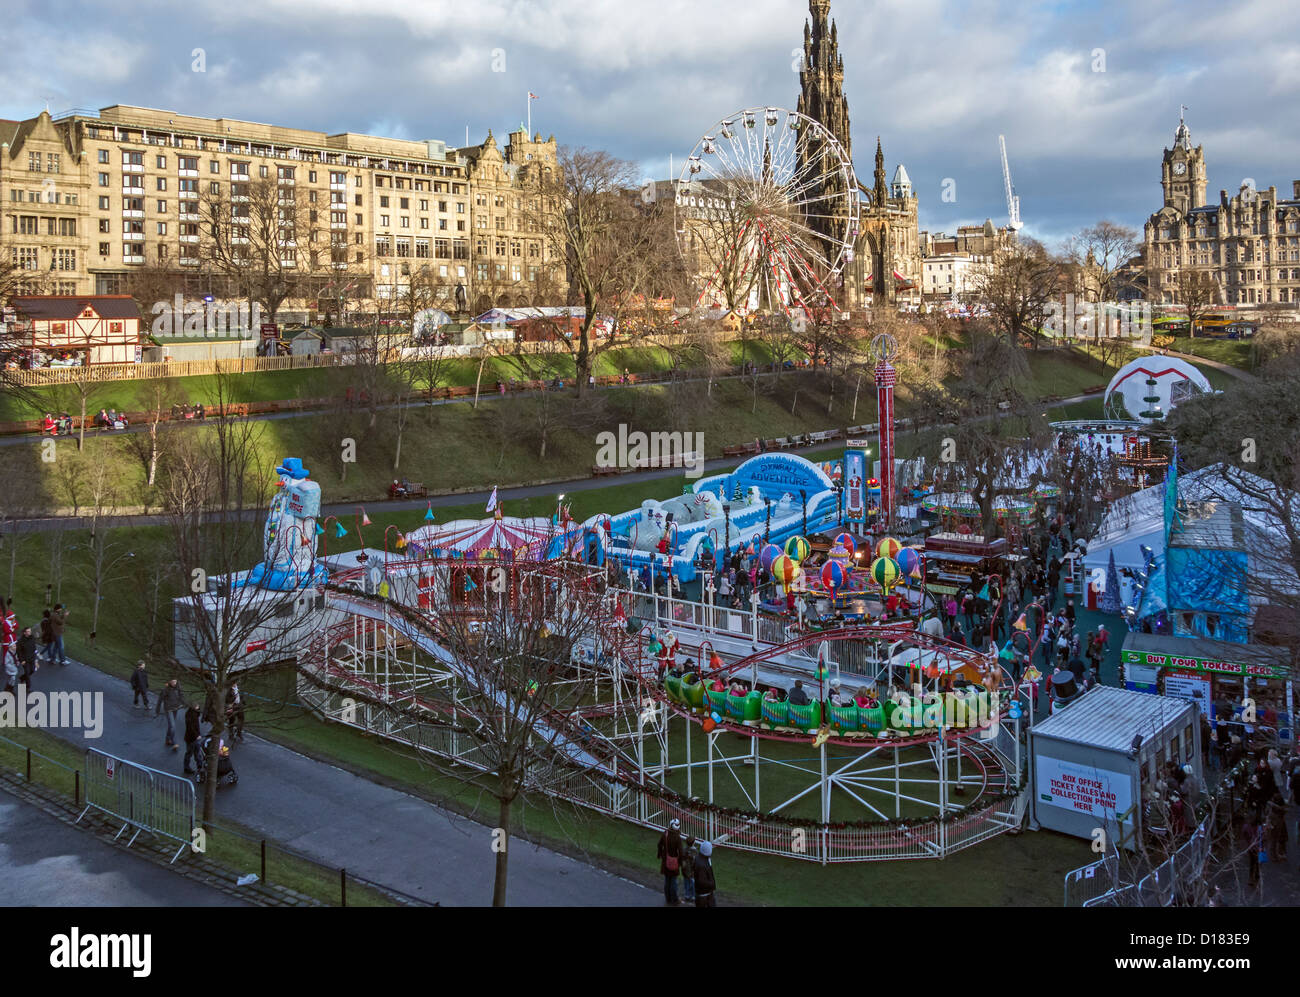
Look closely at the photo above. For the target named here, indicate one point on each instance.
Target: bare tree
(995, 427)
(1016, 287)
(251, 237)
(18, 501)
(1103, 249)
(105, 551)
(716, 241)
(513, 636)
(1198, 293)
(608, 243)
(148, 444)
(227, 630)
(1248, 437)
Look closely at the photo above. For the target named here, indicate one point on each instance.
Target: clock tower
(1182, 173)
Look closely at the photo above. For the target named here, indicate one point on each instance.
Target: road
(48, 863)
(344, 820)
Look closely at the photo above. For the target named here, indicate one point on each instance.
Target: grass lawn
(1234, 352)
(280, 385)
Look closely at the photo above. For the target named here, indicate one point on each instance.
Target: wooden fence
(170, 368)
(248, 365)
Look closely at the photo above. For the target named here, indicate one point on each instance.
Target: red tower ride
(885, 378)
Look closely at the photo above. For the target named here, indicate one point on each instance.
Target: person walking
(170, 702)
(58, 620)
(705, 884)
(47, 637)
(10, 671)
(26, 649)
(140, 686)
(670, 860)
(193, 752)
(235, 712)
(1249, 840)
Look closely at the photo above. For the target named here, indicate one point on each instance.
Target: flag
(533, 96)
(492, 500)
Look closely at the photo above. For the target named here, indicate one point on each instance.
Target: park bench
(602, 471)
(1095, 389)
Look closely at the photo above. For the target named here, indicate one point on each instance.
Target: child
(688, 867)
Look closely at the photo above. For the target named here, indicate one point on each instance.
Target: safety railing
(144, 799)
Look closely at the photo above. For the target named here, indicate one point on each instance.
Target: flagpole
(530, 115)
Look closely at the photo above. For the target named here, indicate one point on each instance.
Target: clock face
(1180, 168)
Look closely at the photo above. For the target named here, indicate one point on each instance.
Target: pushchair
(226, 774)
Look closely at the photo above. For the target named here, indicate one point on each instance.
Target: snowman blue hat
(292, 466)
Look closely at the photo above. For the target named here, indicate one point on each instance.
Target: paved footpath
(344, 820)
(49, 864)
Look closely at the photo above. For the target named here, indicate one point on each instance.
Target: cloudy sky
(1087, 94)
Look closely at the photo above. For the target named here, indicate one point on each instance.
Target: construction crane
(1013, 200)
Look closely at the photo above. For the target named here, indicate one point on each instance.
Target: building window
(34, 162)
(383, 246)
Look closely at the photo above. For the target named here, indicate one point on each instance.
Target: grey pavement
(48, 863)
(343, 820)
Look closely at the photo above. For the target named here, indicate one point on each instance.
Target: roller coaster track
(565, 733)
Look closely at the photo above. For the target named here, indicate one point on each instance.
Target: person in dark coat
(670, 859)
(192, 736)
(140, 685)
(170, 702)
(47, 636)
(705, 884)
(26, 655)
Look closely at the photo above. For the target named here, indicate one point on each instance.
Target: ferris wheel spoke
(775, 206)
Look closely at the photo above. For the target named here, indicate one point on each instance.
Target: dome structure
(1149, 388)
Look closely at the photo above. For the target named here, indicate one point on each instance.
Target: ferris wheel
(767, 212)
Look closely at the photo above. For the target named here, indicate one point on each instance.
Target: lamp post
(401, 539)
(726, 535)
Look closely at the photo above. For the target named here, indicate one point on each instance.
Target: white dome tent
(1149, 388)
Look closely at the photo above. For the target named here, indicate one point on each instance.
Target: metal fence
(1179, 879)
(142, 798)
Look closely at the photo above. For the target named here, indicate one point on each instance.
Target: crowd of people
(23, 651)
(689, 860)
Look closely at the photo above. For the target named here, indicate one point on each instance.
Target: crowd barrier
(142, 798)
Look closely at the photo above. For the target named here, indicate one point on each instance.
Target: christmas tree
(1110, 595)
